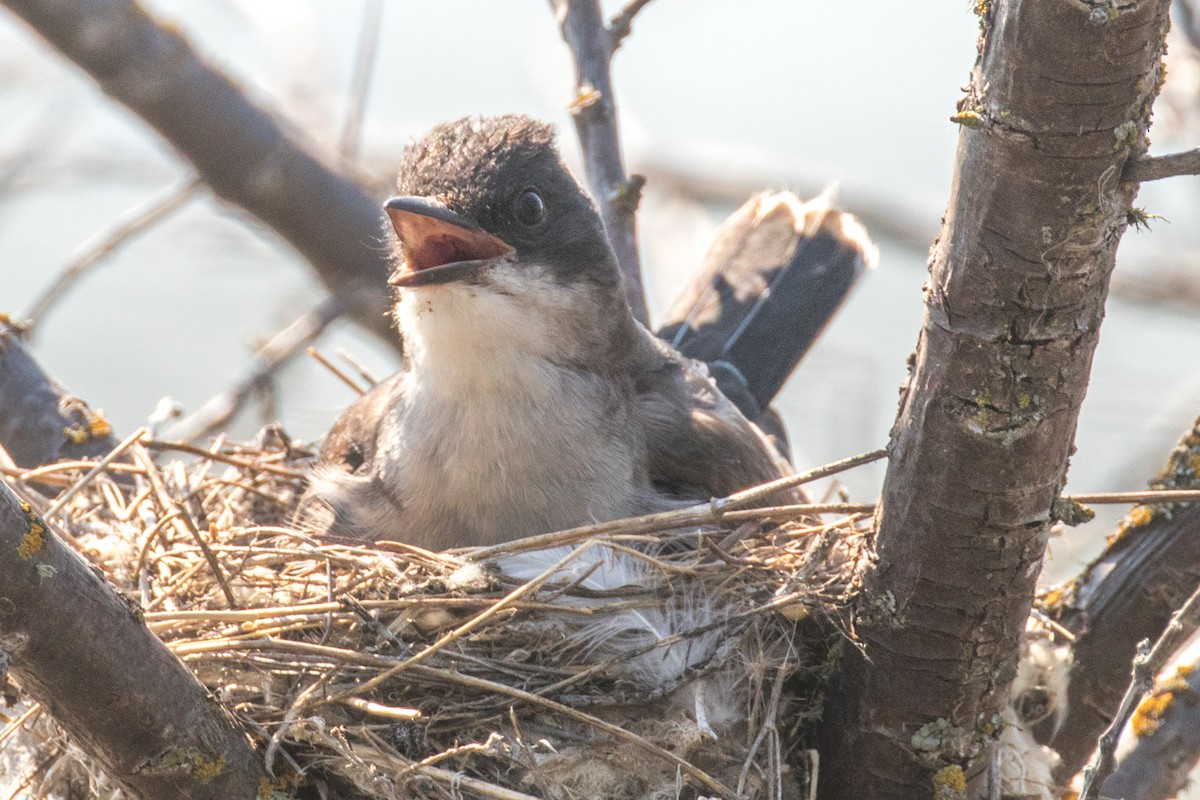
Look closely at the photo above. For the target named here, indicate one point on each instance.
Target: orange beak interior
(432, 236)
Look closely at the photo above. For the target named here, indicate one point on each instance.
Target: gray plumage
(531, 400)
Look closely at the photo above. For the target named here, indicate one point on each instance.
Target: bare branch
(1153, 168)
(595, 112)
(71, 639)
(39, 421)
(243, 153)
(214, 415)
(1149, 661)
(1166, 726)
(1128, 594)
(620, 25)
(137, 220)
(364, 68)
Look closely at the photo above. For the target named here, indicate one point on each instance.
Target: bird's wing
(699, 445)
(345, 496)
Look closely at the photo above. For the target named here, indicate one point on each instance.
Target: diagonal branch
(214, 415)
(621, 24)
(247, 156)
(138, 220)
(595, 112)
(1128, 594)
(1146, 665)
(39, 421)
(82, 652)
(1166, 729)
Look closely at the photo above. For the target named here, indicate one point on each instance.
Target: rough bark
(1151, 565)
(1059, 100)
(39, 421)
(248, 157)
(83, 652)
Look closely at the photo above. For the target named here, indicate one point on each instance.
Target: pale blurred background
(770, 93)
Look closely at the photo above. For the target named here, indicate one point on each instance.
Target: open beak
(439, 246)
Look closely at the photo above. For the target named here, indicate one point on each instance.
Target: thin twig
(16, 724)
(594, 110)
(364, 68)
(363, 371)
(470, 625)
(61, 501)
(1141, 498)
(1153, 168)
(381, 710)
(184, 522)
(279, 350)
(233, 461)
(622, 23)
(139, 220)
(329, 365)
(756, 493)
(1146, 665)
(702, 514)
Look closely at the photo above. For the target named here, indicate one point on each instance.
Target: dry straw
(385, 671)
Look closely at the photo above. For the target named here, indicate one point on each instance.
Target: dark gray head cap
(479, 167)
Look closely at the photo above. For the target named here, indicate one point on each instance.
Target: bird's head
(494, 233)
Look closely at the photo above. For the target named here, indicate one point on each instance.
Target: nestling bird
(531, 400)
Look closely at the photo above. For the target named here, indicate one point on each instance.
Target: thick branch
(1153, 168)
(1128, 594)
(595, 113)
(81, 650)
(39, 421)
(246, 156)
(1059, 100)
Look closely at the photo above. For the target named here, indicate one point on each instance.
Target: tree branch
(1153, 168)
(979, 451)
(1146, 665)
(214, 415)
(39, 421)
(82, 652)
(1166, 727)
(595, 112)
(245, 155)
(621, 24)
(136, 221)
(1128, 594)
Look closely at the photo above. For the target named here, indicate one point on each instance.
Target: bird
(530, 400)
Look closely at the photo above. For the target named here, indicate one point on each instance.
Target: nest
(615, 663)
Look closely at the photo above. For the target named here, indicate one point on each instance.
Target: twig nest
(623, 666)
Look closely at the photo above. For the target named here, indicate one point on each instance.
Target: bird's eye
(528, 208)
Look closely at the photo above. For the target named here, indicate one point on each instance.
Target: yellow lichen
(1150, 713)
(99, 426)
(969, 119)
(77, 435)
(207, 769)
(949, 783)
(282, 786)
(35, 539)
